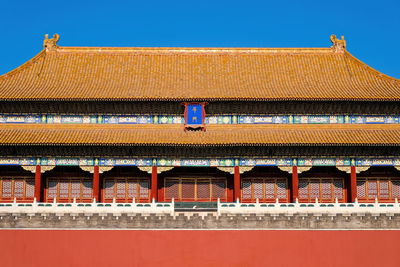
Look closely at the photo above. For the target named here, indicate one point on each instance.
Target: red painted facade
(200, 184)
(197, 248)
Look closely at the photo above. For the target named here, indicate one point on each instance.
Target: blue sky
(371, 28)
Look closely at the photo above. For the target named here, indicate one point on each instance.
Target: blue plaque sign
(194, 114)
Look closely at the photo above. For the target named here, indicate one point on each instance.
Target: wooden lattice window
(265, 189)
(383, 189)
(325, 189)
(124, 189)
(21, 188)
(68, 189)
(195, 189)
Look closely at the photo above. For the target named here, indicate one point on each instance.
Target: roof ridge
(199, 50)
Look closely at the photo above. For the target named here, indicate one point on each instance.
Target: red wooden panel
(246, 189)
(203, 190)
(258, 189)
(326, 189)
(64, 189)
(303, 189)
(384, 189)
(372, 189)
(75, 189)
(219, 189)
(6, 191)
(30, 188)
(121, 189)
(132, 189)
(270, 189)
(314, 189)
(144, 187)
(52, 189)
(361, 189)
(87, 189)
(18, 188)
(338, 189)
(187, 189)
(109, 189)
(172, 189)
(395, 188)
(281, 189)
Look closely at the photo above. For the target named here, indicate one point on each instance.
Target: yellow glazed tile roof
(95, 73)
(216, 135)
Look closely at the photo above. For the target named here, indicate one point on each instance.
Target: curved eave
(23, 66)
(381, 99)
(215, 135)
(205, 145)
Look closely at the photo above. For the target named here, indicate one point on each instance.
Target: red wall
(197, 248)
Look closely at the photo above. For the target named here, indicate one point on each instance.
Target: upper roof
(195, 74)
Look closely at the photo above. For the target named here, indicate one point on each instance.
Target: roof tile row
(215, 135)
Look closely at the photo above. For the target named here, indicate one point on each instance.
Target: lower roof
(215, 135)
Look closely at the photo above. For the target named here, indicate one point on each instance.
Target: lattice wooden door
(124, 189)
(264, 189)
(68, 189)
(21, 188)
(383, 189)
(323, 189)
(195, 189)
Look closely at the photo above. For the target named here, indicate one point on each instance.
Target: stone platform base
(200, 220)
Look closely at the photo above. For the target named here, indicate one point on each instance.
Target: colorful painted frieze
(224, 162)
(222, 119)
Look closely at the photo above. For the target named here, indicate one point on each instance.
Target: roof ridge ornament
(51, 44)
(337, 44)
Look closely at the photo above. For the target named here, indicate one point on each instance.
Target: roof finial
(51, 44)
(337, 44)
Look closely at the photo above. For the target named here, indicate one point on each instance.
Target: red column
(96, 183)
(38, 183)
(295, 184)
(236, 185)
(353, 184)
(154, 183)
